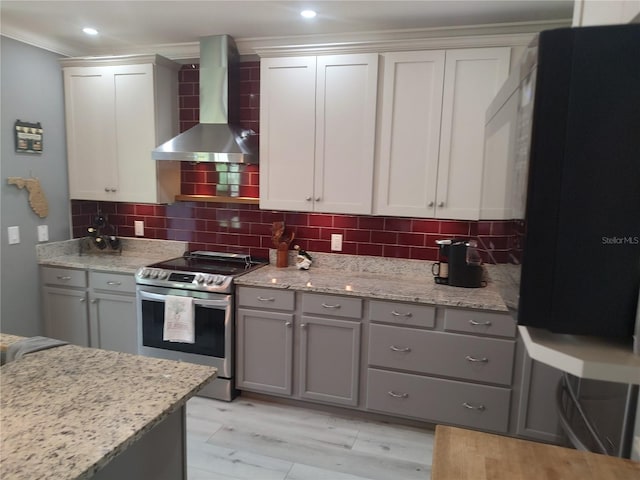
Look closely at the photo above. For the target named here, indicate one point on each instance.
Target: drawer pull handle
(397, 395)
(397, 314)
(287, 324)
(471, 359)
(266, 299)
(116, 284)
(480, 407)
(480, 324)
(61, 277)
(400, 349)
(331, 306)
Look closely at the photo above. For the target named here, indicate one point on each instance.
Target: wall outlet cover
(336, 242)
(14, 235)
(43, 233)
(138, 227)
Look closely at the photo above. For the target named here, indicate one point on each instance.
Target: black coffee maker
(463, 267)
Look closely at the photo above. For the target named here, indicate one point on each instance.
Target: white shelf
(584, 357)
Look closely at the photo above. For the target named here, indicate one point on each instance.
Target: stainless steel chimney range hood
(217, 138)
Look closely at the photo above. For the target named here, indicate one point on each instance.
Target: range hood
(217, 138)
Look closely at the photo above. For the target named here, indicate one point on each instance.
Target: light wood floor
(260, 440)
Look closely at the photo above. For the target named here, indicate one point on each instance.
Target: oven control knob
(154, 274)
(144, 273)
(199, 278)
(209, 279)
(219, 280)
(162, 275)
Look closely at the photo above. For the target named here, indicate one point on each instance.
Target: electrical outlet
(138, 227)
(14, 235)
(336, 242)
(43, 233)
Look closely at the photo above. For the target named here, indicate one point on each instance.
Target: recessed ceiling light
(308, 13)
(90, 31)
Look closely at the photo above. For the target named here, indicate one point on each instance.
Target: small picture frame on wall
(28, 137)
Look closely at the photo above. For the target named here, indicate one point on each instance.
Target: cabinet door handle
(303, 325)
(399, 349)
(266, 299)
(441, 204)
(287, 324)
(114, 283)
(63, 278)
(480, 407)
(94, 301)
(308, 199)
(107, 189)
(480, 324)
(82, 300)
(397, 314)
(318, 199)
(393, 394)
(331, 306)
(471, 359)
(431, 204)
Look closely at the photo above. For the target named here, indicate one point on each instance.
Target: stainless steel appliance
(207, 277)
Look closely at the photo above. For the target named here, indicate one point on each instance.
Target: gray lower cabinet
(64, 300)
(537, 412)
(311, 351)
(264, 351)
(112, 312)
(91, 309)
(462, 375)
(329, 360)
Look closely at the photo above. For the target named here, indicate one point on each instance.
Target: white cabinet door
(317, 120)
(91, 149)
(472, 78)
(409, 133)
(115, 116)
(287, 132)
(345, 133)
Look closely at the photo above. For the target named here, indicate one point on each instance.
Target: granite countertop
(67, 411)
(374, 277)
(136, 253)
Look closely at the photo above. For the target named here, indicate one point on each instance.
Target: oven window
(209, 330)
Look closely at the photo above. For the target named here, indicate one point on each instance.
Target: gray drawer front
(479, 323)
(64, 277)
(402, 313)
(479, 359)
(332, 305)
(438, 400)
(112, 282)
(269, 298)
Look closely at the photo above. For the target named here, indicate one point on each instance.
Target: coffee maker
(460, 265)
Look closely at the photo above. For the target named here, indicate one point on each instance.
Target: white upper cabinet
(409, 135)
(598, 12)
(317, 117)
(115, 116)
(431, 134)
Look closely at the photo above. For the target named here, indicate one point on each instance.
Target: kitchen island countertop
(67, 411)
(371, 277)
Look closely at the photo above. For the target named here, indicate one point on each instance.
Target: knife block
(282, 258)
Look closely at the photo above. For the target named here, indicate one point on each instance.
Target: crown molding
(507, 34)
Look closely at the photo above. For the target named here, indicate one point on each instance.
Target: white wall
(31, 91)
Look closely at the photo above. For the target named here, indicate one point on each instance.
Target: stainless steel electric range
(206, 278)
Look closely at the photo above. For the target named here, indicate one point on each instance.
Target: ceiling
(128, 27)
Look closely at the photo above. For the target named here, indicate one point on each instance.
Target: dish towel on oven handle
(178, 319)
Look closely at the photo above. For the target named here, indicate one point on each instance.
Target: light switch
(14, 235)
(43, 233)
(138, 227)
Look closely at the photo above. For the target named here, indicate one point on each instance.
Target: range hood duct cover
(217, 138)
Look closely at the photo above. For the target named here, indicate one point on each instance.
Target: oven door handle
(196, 301)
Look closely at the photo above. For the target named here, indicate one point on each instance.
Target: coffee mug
(440, 269)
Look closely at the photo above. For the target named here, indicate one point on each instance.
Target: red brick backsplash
(231, 227)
